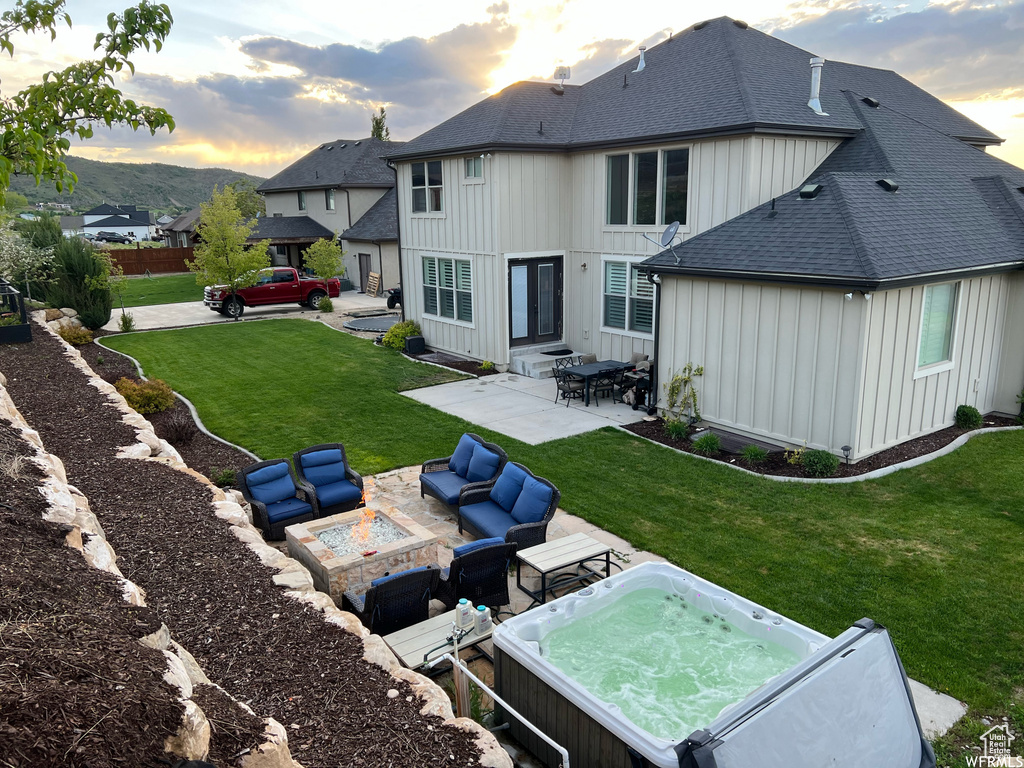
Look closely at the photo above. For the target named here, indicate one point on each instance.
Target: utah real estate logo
(996, 750)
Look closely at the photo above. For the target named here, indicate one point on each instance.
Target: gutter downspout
(380, 260)
(348, 207)
(652, 398)
(398, 231)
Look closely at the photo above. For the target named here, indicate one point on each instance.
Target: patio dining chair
(395, 602)
(608, 382)
(588, 359)
(479, 573)
(567, 386)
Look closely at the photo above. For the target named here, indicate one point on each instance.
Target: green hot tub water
(670, 667)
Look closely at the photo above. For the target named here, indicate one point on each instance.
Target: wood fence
(136, 261)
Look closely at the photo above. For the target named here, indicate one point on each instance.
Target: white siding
(1011, 358)
(779, 362)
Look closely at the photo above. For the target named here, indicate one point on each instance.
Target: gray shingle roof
(717, 79)
(186, 222)
(957, 209)
(117, 221)
(340, 163)
(378, 223)
(289, 228)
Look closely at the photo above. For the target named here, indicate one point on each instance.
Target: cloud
(957, 51)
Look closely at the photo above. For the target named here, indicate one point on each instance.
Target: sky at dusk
(254, 85)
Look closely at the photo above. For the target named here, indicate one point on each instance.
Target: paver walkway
(522, 408)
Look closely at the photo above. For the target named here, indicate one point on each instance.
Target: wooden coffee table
(428, 640)
(574, 550)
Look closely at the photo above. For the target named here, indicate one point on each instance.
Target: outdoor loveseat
(516, 506)
(473, 461)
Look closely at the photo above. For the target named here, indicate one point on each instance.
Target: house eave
(329, 185)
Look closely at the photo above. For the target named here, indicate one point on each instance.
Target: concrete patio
(523, 408)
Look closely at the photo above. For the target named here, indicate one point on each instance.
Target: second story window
(329, 199)
(448, 288)
(647, 188)
(427, 194)
(302, 200)
(474, 167)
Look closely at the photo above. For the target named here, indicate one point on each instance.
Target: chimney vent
(815, 102)
(810, 191)
(641, 64)
(873, 103)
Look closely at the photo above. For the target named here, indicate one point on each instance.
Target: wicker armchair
(485, 513)
(276, 498)
(338, 487)
(394, 602)
(478, 573)
(438, 478)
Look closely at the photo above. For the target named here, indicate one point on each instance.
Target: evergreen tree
(378, 126)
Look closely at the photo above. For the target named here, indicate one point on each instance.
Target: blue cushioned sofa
(516, 506)
(338, 487)
(474, 461)
(276, 498)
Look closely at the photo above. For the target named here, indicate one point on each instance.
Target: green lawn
(166, 289)
(936, 552)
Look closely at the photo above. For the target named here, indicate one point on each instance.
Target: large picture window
(937, 316)
(448, 288)
(628, 298)
(427, 192)
(648, 188)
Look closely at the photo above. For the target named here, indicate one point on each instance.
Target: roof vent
(809, 191)
(701, 24)
(888, 185)
(641, 64)
(342, 146)
(740, 24)
(1021, 190)
(558, 90)
(358, 143)
(330, 148)
(873, 103)
(815, 102)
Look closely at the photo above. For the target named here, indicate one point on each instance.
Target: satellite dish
(669, 234)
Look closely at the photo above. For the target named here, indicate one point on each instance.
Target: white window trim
(328, 210)
(473, 179)
(423, 282)
(630, 260)
(921, 372)
(648, 228)
(443, 213)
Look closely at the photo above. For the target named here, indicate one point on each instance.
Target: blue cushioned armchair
(516, 506)
(338, 487)
(479, 573)
(276, 498)
(474, 461)
(394, 602)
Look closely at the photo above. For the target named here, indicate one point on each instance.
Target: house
(332, 189)
(71, 226)
(122, 219)
(847, 263)
(181, 233)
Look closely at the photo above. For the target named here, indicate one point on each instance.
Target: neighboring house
(857, 315)
(72, 225)
(122, 219)
(181, 233)
(334, 188)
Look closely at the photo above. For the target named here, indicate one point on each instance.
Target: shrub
(754, 454)
(127, 322)
(677, 429)
(487, 365)
(818, 463)
(795, 457)
(968, 417)
(397, 333)
(326, 305)
(180, 428)
(222, 478)
(74, 335)
(10, 320)
(150, 396)
(708, 444)
(81, 281)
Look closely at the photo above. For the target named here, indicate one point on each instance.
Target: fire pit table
(349, 550)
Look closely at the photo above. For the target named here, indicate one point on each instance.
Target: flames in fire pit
(361, 530)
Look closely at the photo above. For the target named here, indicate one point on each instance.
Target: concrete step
(530, 361)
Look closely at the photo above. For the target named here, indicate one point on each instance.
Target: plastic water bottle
(464, 614)
(483, 619)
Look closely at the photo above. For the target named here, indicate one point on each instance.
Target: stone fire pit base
(335, 574)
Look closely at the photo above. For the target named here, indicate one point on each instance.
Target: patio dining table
(590, 370)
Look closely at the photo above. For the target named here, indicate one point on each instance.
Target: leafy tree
(15, 202)
(378, 126)
(222, 256)
(324, 258)
(250, 204)
(20, 261)
(38, 121)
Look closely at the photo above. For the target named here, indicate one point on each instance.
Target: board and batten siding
(727, 177)
(894, 405)
(780, 362)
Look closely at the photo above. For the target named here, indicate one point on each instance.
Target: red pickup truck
(280, 285)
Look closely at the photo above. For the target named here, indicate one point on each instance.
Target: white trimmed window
(302, 200)
(448, 288)
(648, 188)
(427, 192)
(329, 199)
(474, 167)
(628, 298)
(938, 316)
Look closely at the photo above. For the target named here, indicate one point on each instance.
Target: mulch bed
(200, 451)
(273, 653)
(776, 463)
(75, 684)
(472, 367)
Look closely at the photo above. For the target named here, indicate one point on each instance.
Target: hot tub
(704, 678)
